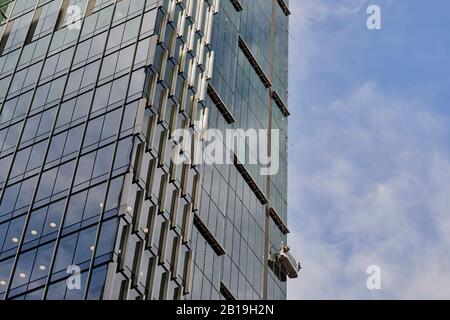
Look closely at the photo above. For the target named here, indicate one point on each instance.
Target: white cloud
(307, 15)
(369, 171)
(371, 188)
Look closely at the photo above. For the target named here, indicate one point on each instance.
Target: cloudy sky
(370, 167)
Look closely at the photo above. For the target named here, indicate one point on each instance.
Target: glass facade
(92, 205)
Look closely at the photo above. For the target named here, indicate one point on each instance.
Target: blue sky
(370, 169)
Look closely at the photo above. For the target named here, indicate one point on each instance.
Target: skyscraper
(93, 203)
